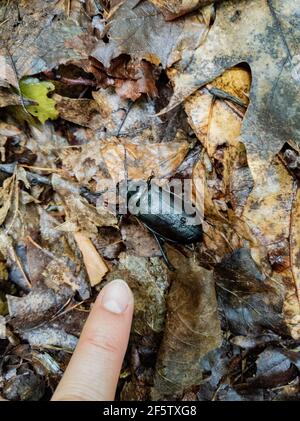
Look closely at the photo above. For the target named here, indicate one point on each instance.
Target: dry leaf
(94, 263)
(260, 34)
(151, 38)
(38, 42)
(175, 8)
(192, 328)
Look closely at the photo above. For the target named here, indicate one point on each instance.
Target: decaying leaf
(151, 38)
(192, 328)
(261, 34)
(248, 300)
(138, 239)
(6, 193)
(148, 280)
(172, 10)
(9, 98)
(29, 311)
(50, 337)
(83, 112)
(26, 386)
(29, 44)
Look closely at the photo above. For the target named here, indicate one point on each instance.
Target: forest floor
(94, 93)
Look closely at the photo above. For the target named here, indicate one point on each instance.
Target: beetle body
(163, 213)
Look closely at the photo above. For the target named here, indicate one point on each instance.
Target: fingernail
(116, 296)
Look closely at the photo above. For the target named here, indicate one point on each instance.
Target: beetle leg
(163, 253)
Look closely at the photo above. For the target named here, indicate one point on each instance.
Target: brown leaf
(260, 34)
(139, 30)
(36, 307)
(138, 239)
(84, 112)
(37, 42)
(9, 98)
(192, 328)
(141, 82)
(131, 77)
(174, 9)
(249, 301)
(6, 196)
(142, 160)
(94, 263)
(149, 281)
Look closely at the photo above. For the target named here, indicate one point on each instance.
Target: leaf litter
(197, 90)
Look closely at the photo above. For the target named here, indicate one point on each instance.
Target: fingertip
(116, 297)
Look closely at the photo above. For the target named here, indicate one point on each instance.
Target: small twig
(67, 310)
(77, 82)
(219, 93)
(17, 260)
(43, 168)
(4, 21)
(17, 80)
(16, 186)
(68, 7)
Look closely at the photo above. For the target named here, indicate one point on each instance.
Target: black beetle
(161, 211)
(164, 214)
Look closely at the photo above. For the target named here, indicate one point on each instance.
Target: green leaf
(36, 90)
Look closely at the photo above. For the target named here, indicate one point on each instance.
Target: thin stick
(17, 80)
(43, 168)
(16, 186)
(68, 7)
(17, 260)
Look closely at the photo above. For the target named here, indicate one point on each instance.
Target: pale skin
(94, 369)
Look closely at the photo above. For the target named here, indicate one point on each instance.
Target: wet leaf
(249, 302)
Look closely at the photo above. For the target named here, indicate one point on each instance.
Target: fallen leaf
(138, 239)
(32, 48)
(174, 9)
(49, 337)
(84, 112)
(36, 307)
(148, 279)
(258, 33)
(36, 90)
(151, 38)
(94, 263)
(26, 386)
(192, 328)
(6, 195)
(250, 302)
(9, 98)
(142, 160)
